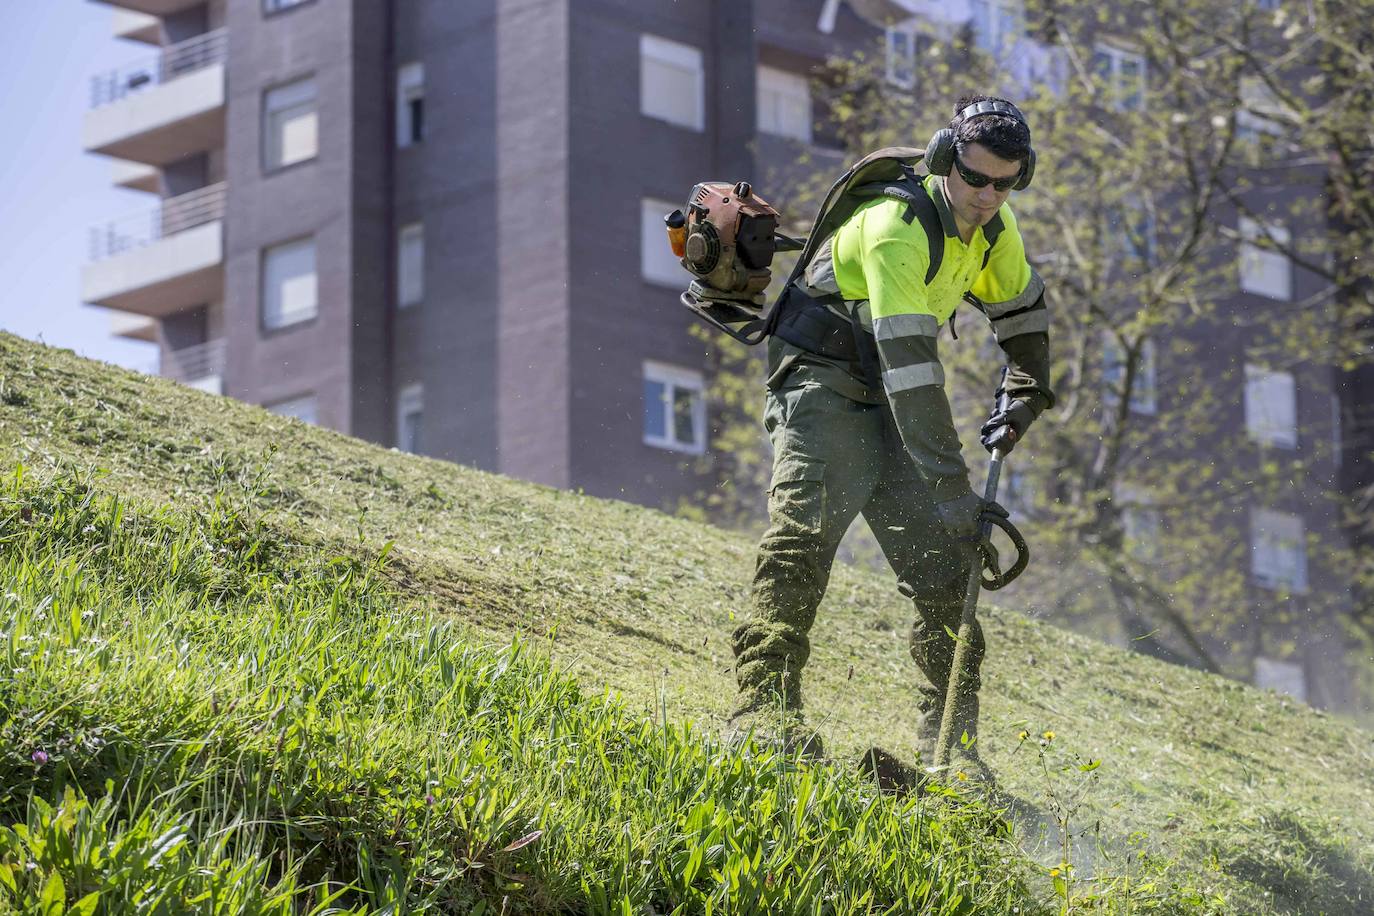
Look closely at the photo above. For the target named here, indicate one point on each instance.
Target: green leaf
(1061, 887)
(86, 905)
(1090, 766)
(7, 877)
(53, 901)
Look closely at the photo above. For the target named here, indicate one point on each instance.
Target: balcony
(133, 327)
(136, 176)
(137, 27)
(200, 366)
(155, 7)
(163, 108)
(159, 262)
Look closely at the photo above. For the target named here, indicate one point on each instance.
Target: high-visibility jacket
(873, 272)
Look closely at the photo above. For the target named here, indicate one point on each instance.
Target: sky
(51, 192)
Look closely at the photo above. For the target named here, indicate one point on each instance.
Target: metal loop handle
(1003, 579)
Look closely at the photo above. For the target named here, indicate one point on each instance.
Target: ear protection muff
(940, 150)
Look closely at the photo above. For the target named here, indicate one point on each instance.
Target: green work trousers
(834, 458)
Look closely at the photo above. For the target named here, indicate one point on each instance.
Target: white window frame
(410, 88)
(410, 403)
(783, 103)
(1271, 407)
(677, 60)
(1117, 93)
(1278, 550)
(1265, 272)
(1145, 393)
(673, 379)
(657, 263)
(998, 24)
(307, 286)
(410, 265)
(303, 407)
(901, 54)
(293, 105)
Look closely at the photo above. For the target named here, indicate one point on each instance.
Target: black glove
(963, 519)
(1006, 427)
(963, 515)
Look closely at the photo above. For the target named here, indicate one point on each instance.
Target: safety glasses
(979, 180)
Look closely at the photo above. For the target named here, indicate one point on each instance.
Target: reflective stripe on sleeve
(1025, 323)
(915, 376)
(895, 326)
(1033, 289)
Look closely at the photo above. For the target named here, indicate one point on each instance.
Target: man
(865, 426)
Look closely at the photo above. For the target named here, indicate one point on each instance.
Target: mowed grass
(1208, 796)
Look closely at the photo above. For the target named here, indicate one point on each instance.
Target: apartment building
(437, 225)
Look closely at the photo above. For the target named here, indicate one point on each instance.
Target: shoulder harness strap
(919, 206)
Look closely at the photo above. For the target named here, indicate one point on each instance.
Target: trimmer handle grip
(1002, 579)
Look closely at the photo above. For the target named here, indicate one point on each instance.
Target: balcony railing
(176, 214)
(193, 364)
(168, 64)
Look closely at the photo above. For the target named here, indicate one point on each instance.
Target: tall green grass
(197, 716)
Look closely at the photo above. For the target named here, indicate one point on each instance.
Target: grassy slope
(1262, 798)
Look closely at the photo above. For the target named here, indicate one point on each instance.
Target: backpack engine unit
(726, 240)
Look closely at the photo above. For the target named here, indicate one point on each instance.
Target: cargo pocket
(796, 499)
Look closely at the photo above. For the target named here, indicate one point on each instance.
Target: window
(674, 408)
(1285, 677)
(784, 104)
(410, 265)
(1278, 550)
(1259, 120)
(410, 411)
(998, 24)
(1143, 386)
(303, 408)
(410, 105)
(671, 85)
(290, 124)
(901, 54)
(657, 263)
(290, 292)
(1122, 74)
(276, 6)
(1264, 272)
(1271, 410)
(1130, 229)
(1140, 523)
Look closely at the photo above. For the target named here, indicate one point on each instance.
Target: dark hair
(1005, 136)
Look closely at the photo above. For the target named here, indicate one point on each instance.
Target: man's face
(975, 206)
